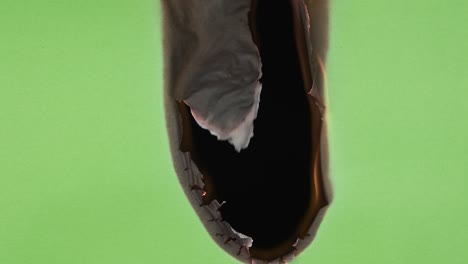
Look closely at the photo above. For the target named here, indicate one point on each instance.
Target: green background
(85, 171)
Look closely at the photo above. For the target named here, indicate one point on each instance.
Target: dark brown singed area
(274, 188)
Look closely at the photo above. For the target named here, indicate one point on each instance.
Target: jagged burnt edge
(212, 209)
(225, 234)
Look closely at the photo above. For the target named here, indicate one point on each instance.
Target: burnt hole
(273, 189)
(267, 185)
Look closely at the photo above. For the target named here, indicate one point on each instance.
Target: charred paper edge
(240, 136)
(191, 180)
